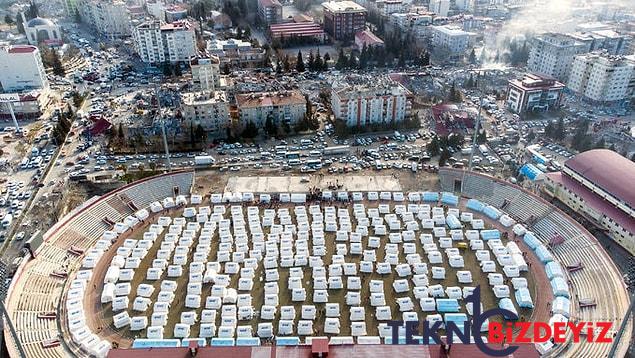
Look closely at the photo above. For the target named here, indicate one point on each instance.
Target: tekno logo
(597, 332)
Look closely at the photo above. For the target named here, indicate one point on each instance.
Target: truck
(483, 149)
(204, 160)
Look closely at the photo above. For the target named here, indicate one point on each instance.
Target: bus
(315, 153)
(314, 163)
(294, 162)
(483, 149)
(292, 155)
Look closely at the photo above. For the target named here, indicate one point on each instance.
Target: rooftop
(268, 99)
(21, 49)
(369, 38)
(342, 6)
(607, 170)
(38, 21)
(532, 81)
(192, 98)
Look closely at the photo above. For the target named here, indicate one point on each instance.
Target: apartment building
(451, 39)
(551, 54)
(342, 19)
(109, 18)
(205, 73)
(210, 109)
(157, 43)
(270, 11)
(362, 101)
(600, 77)
(281, 106)
(21, 68)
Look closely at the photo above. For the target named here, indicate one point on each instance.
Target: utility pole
(7, 320)
(474, 140)
(162, 120)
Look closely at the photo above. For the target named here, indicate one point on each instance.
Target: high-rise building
(270, 11)
(451, 39)
(342, 19)
(205, 73)
(363, 101)
(601, 77)
(109, 18)
(551, 54)
(439, 7)
(21, 68)
(158, 43)
(70, 8)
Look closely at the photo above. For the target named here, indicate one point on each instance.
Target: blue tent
(492, 234)
(475, 205)
(543, 254)
(453, 222)
(531, 240)
(222, 342)
(430, 196)
(459, 319)
(561, 305)
(287, 341)
(447, 305)
(185, 342)
(560, 287)
(155, 343)
(530, 171)
(523, 298)
(554, 269)
(247, 341)
(449, 199)
(492, 213)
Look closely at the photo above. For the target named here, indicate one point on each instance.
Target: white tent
(501, 291)
(332, 310)
(138, 323)
(436, 291)
(121, 320)
(267, 312)
(438, 273)
(464, 276)
(377, 299)
(511, 271)
(141, 304)
(428, 304)
(405, 304)
(305, 328)
(285, 327)
(400, 286)
(155, 332)
(332, 326)
(495, 279)
(265, 330)
(383, 313)
(207, 330)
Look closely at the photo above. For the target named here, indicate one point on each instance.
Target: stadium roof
(607, 170)
(595, 201)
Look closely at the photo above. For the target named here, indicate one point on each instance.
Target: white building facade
(600, 77)
(439, 7)
(210, 109)
(452, 39)
(551, 54)
(158, 43)
(21, 69)
(109, 18)
(205, 73)
(380, 101)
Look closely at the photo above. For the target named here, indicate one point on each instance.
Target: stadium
(165, 267)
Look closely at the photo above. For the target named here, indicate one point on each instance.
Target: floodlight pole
(165, 138)
(474, 140)
(16, 340)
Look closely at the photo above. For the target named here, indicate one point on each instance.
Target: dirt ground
(101, 317)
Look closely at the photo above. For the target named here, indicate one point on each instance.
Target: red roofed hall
(598, 185)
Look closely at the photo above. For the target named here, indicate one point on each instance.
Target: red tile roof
(22, 49)
(608, 170)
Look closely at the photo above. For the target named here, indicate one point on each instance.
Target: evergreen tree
(120, 133)
(299, 63)
(341, 61)
(33, 11)
(167, 69)
(600, 144)
(8, 20)
(443, 158)
(318, 64)
(226, 69)
(177, 70)
(78, 17)
(250, 131)
(192, 137)
(58, 68)
(279, 68)
(327, 58)
(311, 61)
(559, 133)
(433, 146)
(470, 82)
(200, 133)
(19, 24)
(286, 64)
(270, 127)
(472, 57)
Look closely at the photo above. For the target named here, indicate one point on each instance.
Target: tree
(192, 137)
(481, 138)
(559, 133)
(270, 126)
(531, 136)
(327, 58)
(311, 61)
(299, 63)
(167, 69)
(443, 158)
(33, 11)
(341, 61)
(433, 146)
(226, 69)
(19, 24)
(177, 70)
(279, 68)
(454, 94)
(200, 134)
(472, 57)
(78, 17)
(250, 131)
(58, 68)
(78, 99)
(8, 20)
(470, 82)
(286, 64)
(318, 63)
(600, 144)
(120, 133)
